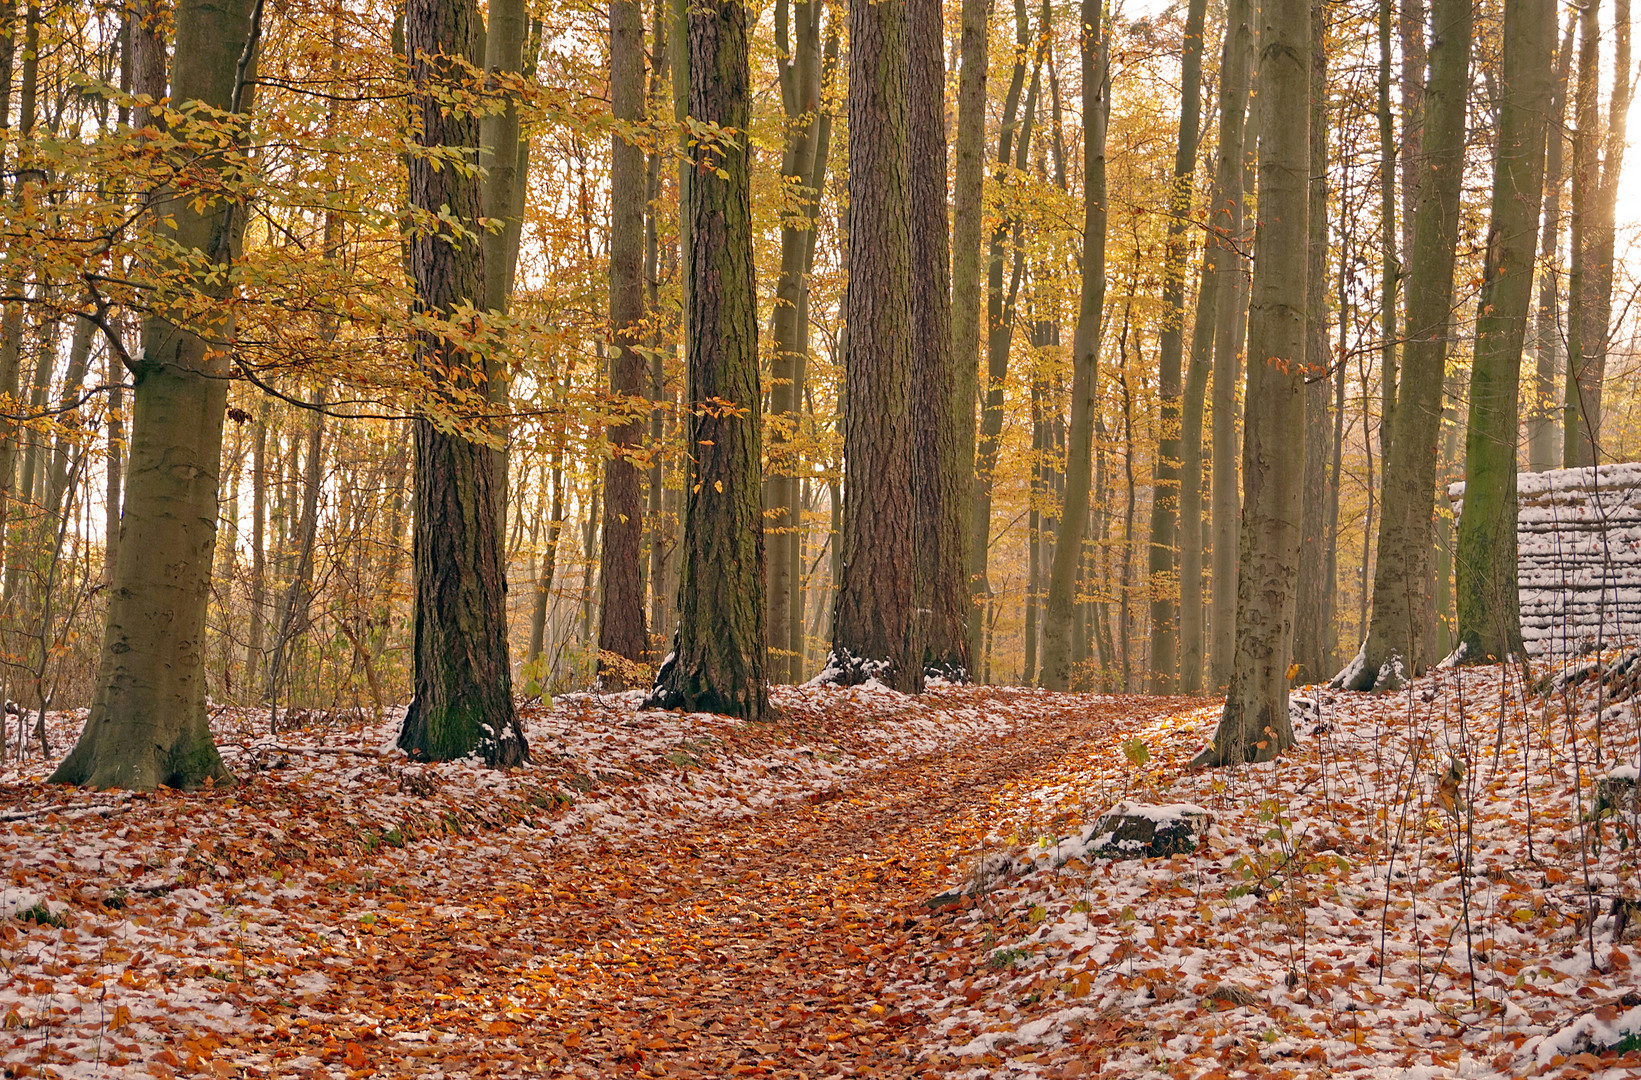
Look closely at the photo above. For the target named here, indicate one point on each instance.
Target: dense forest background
(310, 584)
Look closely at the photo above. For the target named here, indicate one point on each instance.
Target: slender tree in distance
(1313, 633)
(1215, 299)
(968, 185)
(717, 660)
(1396, 644)
(1485, 562)
(463, 701)
(1254, 725)
(1062, 609)
(148, 725)
(874, 632)
(1171, 346)
(621, 635)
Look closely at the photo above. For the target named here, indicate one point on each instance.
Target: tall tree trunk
(259, 548)
(1543, 432)
(800, 83)
(1226, 224)
(1171, 347)
(939, 471)
(1313, 620)
(1062, 610)
(717, 662)
(463, 680)
(1396, 645)
(148, 725)
(1596, 171)
(1489, 609)
(874, 631)
(621, 633)
(294, 611)
(999, 332)
(1390, 267)
(968, 183)
(1255, 725)
(549, 557)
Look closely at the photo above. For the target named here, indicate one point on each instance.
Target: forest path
(790, 943)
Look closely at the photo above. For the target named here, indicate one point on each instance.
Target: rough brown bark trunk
(717, 662)
(939, 472)
(874, 631)
(463, 680)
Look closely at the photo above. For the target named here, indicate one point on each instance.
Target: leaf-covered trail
(765, 946)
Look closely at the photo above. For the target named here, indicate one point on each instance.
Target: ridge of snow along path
(1405, 893)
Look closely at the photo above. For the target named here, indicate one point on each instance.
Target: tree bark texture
(1485, 560)
(463, 683)
(874, 631)
(148, 725)
(940, 472)
(621, 633)
(1171, 347)
(1396, 646)
(1061, 611)
(1254, 725)
(717, 661)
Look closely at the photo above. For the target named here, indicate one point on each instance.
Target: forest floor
(1406, 893)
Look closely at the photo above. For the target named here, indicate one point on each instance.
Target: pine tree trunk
(1062, 610)
(1255, 725)
(621, 633)
(463, 681)
(148, 725)
(717, 662)
(940, 474)
(1489, 608)
(874, 631)
(1171, 347)
(1396, 645)
(1226, 226)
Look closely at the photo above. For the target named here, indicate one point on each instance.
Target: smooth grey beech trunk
(148, 725)
(1254, 725)
(1543, 429)
(968, 183)
(1227, 223)
(1485, 560)
(1397, 645)
(1165, 517)
(1062, 613)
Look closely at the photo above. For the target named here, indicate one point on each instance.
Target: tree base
(843, 668)
(697, 690)
(106, 758)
